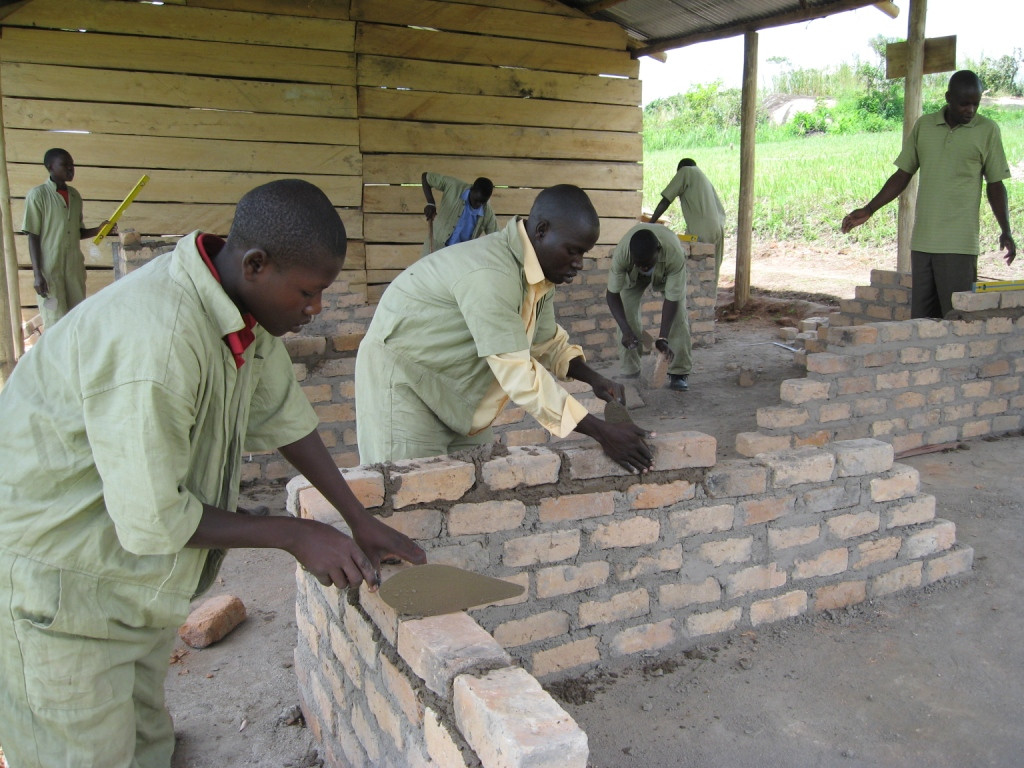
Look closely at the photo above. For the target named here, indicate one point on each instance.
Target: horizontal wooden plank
(382, 256)
(95, 280)
(102, 256)
(404, 42)
(451, 77)
(107, 86)
(505, 202)
(499, 22)
(178, 219)
(387, 231)
(187, 23)
(538, 6)
(317, 9)
(521, 172)
(384, 136)
(193, 57)
(496, 110)
(381, 275)
(178, 122)
(112, 184)
(148, 154)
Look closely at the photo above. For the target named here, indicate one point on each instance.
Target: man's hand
(430, 211)
(854, 219)
(607, 390)
(630, 339)
(662, 346)
(334, 558)
(39, 283)
(1005, 242)
(624, 444)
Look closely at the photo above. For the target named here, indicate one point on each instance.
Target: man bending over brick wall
(466, 329)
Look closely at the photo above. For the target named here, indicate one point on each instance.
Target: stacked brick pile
(886, 298)
(614, 565)
(912, 383)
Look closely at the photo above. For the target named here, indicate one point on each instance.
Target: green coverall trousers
(678, 335)
(79, 686)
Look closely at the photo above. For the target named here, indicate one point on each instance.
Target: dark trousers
(936, 277)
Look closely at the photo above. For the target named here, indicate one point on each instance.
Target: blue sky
(983, 28)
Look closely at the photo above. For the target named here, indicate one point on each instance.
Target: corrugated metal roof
(660, 25)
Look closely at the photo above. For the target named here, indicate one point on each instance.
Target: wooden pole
(11, 341)
(911, 111)
(748, 132)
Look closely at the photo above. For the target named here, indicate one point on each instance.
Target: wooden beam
(911, 111)
(939, 56)
(748, 131)
(601, 5)
(752, 25)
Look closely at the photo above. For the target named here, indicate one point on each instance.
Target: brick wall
(886, 298)
(614, 565)
(911, 383)
(325, 365)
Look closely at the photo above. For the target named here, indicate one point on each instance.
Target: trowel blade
(432, 590)
(616, 413)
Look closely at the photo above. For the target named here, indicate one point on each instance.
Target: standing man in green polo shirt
(465, 211)
(466, 329)
(650, 255)
(122, 451)
(954, 149)
(701, 206)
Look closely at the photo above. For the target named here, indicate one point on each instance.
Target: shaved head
(292, 220)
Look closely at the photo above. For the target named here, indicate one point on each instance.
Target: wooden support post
(748, 132)
(911, 111)
(11, 340)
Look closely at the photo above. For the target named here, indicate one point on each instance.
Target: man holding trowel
(650, 255)
(464, 330)
(465, 211)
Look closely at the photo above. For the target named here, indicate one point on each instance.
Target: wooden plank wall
(212, 97)
(524, 92)
(209, 97)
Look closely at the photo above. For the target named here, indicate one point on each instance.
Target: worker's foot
(678, 382)
(634, 375)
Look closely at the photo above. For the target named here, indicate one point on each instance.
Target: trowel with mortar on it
(434, 589)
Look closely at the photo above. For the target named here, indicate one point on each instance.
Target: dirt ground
(932, 678)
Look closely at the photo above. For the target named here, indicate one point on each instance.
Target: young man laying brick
(464, 330)
(123, 434)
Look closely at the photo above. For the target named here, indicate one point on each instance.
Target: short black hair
(52, 154)
(563, 202)
(485, 185)
(965, 80)
(643, 247)
(292, 220)
(686, 161)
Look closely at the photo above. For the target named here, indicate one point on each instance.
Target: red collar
(238, 341)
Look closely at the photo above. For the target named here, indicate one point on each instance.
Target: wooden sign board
(939, 56)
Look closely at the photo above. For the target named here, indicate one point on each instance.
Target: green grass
(804, 187)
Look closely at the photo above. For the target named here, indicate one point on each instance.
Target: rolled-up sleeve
(280, 412)
(531, 387)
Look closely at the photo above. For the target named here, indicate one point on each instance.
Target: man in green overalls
(54, 226)
(465, 212)
(701, 206)
(466, 329)
(123, 437)
(650, 255)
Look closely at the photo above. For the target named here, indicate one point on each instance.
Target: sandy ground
(932, 678)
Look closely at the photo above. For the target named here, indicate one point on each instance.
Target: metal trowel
(432, 590)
